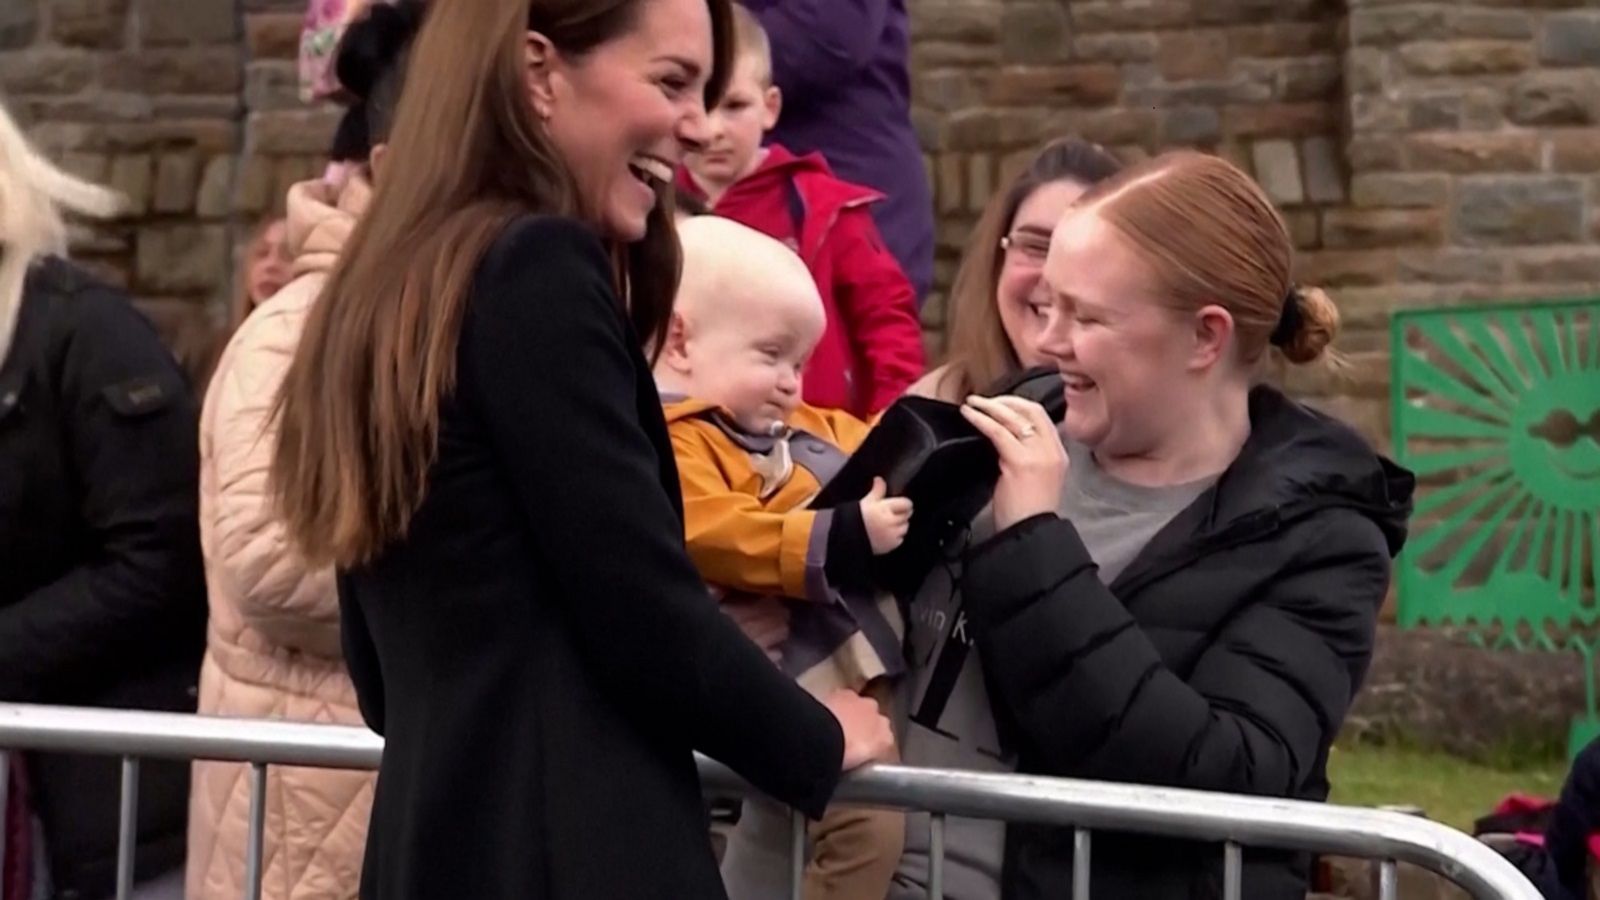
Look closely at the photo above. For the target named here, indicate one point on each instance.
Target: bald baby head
(746, 319)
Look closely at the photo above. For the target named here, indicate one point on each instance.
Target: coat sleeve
(817, 44)
(1091, 696)
(735, 542)
(879, 309)
(251, 559)
(545, 361)
(129, 430)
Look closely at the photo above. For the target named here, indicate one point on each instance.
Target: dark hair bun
(374, 43)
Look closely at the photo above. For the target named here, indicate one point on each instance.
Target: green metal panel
(1497, 409)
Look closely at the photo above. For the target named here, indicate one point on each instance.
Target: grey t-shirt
(944, 706)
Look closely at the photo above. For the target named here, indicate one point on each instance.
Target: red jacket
(871, 350)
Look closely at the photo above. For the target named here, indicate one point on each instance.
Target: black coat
(102, 593)
(1224, 658)
(538, 650)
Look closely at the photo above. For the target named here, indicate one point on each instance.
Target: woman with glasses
(998, 300)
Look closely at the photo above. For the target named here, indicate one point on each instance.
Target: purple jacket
(842, 66)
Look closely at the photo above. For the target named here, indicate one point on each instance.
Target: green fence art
(1497, 410)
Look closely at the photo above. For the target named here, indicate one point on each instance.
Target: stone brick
(1488, 23)
(43, 71)
(1443, 266)
(89, 23)
(181, 258)
(1346, 268)
(943, 20)
(1575, 151)
(1014, 164)
(186, 71)
(205, 135)
(1434, 111)
(1079, 85)
(1281, 120)
(1192, 126)
(1114, 127)
(1469, 153)
(1400, 191)
(1571, 39)
(19, 22)
(1187, 55)
(211, 106)
(1356, 228)
(1518, 211)
(1315, 78)
(292, 131)
(949, 89)
(133, 176)
(1466, 57)
(177, 177)
(1371, 113)
(932, 54)
(1381, 153)
(949, 182)
(1556, 99)
(1483, 108)
(1324, 173)
(1305, 228)
(167, 22)
(1561, 265)
(1129, 15)
(980, 181)
(212, 199)
(1119, 48)
(92, 167)
(290, 171)
(1388, 26)
(277, 35)
(1231, 12)
(1277, 168)
(1035, 33)
(1284, 39)
(1240, 90)
(254, 192)
(271, 85)
(1366, 70)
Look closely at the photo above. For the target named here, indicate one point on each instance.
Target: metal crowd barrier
(1086, 806)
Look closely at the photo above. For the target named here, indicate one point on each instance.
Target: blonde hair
(1210, 236)
(34, 194)
(726, 265)
(750, 40)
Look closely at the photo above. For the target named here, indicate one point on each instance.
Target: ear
(539, 62)
(772, 99)
(375, 159)
(675, 353)
(1213, 336)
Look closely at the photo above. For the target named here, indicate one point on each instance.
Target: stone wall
(188, 108)
(1423, 153)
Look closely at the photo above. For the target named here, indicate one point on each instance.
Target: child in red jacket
(871, 350)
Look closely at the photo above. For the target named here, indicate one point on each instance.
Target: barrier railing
(1085, 806)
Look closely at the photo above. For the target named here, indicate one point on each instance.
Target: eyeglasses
(1029, 247)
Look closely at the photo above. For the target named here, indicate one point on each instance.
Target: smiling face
(1021, 295)
(1127, 360)
(1555, 441)
(624, 114)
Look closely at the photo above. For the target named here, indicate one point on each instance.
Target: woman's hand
(868, 736)
(763, 619)
(1033, 463)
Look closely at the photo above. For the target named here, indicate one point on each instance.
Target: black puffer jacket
(102, 596)
(1224, 658)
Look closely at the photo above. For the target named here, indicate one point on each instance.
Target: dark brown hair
(359, 409)
(980, 353)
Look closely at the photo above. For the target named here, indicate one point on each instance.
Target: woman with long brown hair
(470, 433)
(998, 296)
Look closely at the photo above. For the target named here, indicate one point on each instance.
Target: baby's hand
(887, 518)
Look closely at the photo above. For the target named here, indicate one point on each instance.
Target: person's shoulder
(547, 257)
(74, 305)
(545, 240)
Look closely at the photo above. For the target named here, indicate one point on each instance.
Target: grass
(1449, 790)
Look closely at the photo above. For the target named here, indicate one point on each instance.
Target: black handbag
(925, 450)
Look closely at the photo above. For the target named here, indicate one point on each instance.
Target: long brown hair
(359, 408)
(980, 353)
(1241, 259)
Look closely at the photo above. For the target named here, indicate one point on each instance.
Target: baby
(750, 456)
